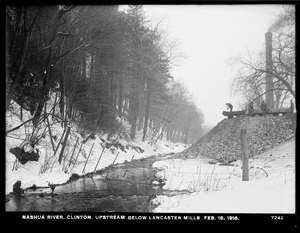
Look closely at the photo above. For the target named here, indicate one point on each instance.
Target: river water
(117, 189)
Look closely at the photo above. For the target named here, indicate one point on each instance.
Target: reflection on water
(124, 190)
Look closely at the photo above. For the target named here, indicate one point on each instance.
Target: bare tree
(250, 79)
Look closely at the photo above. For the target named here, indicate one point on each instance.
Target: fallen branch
(66, 53)
(46, 47)
(19, 126)
(263, 170)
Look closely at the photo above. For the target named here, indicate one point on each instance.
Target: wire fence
(224, 173)
(236, 172)
(270, 157)
(118, 155)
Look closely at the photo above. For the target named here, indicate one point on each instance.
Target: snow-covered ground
(208, 188)
(30, 173)
(220, 189)
(47, 168)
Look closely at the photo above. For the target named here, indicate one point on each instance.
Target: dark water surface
(120, 189)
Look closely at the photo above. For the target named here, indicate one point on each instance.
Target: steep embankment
(223, 141)
(32, 153)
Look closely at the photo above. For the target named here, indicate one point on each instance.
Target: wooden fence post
(112, 164)
(99, 158)
(62, 136)
(50, 134)
(245, 176)
(64, 145)
(73, 153)
(87, 158)
(128, 168)
(77, 156)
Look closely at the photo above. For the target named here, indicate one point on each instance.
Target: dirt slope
(223, 141)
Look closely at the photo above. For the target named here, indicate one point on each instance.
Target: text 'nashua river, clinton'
(118, 217)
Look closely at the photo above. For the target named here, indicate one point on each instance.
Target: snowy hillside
(224, 140)
(219, 189)
(78, 158)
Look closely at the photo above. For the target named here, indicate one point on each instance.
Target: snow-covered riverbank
(30, 173)
(220, 189)
(212, 187)
(85, 158)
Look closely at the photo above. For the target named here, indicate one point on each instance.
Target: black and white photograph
(150, 109)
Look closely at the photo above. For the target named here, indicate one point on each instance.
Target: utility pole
(269, 77)
(245, 176)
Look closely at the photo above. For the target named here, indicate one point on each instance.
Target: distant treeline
(101, 67)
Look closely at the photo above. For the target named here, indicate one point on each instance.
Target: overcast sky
(208, 36)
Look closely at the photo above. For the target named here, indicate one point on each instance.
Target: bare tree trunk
(140, 121)
(92, 70)
(150, 125)
(130, 107)
(134, 118)
(113, 87)
(28, 32)
(187, 129)
(45, 88)
(134, 107)
(186, 135)
(156, 128)
(120, 96)
(83, 67)
(173, 130)
(148, 91)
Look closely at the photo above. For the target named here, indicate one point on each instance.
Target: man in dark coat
(263, 107)
(292, 106)
(229, 106)
(250, 108)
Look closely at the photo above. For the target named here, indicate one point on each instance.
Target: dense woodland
(105, 69)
